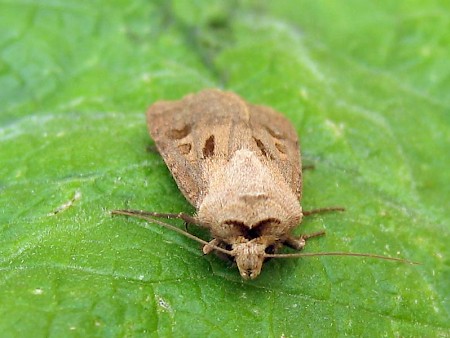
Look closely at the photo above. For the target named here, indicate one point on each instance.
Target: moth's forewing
(276, 135)
(211, 126)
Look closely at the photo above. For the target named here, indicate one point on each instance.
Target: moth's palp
(148, 216)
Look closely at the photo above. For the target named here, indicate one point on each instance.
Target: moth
(239, 165)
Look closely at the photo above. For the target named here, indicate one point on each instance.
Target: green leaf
(366, 86)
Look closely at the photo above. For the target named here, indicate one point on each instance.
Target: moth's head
(249, 257)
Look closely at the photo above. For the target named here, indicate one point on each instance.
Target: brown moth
(239, 165)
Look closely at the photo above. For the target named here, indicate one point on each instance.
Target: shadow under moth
(239, 165)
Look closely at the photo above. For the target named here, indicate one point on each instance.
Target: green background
(366, 84)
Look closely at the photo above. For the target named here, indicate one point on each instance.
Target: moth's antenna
(148, 216)
(354, 254)
(139, 214)
(181, 215)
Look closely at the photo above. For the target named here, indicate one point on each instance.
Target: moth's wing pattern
(197, 129)
(210, 127)
(278, 142)
(170, 127)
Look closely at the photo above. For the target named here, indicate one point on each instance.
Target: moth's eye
(179, 133)
(270, 249)
(208, 149)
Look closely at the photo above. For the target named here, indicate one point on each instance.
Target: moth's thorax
(246, 192)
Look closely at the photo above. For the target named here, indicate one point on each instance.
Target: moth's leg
(185, 217)
(299, 243)
(208, 248)
(321, 210)
(151, 148)
(308, 167)
(217, 243)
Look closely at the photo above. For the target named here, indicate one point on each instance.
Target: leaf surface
(366, 86)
